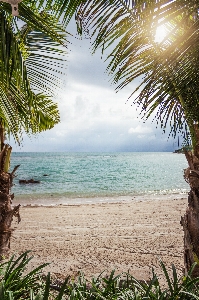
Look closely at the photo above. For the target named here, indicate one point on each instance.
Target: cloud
(93, 116)
(140, 129)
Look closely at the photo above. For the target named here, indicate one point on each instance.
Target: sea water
(72, 178)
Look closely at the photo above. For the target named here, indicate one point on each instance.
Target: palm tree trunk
(190, 221)
(6, 210)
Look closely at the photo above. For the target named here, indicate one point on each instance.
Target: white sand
(97, 237)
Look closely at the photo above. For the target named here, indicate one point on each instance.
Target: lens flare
(160, 34)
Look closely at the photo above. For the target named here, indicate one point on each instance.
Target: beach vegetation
(16, 283)
(152, 46)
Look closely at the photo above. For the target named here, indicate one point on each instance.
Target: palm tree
(168, 71)
(32, 49)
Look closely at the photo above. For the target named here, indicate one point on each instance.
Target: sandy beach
(101, 237)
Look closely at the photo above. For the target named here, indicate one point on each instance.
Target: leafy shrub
(15, 284)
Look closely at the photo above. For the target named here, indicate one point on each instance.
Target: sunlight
(160, 34)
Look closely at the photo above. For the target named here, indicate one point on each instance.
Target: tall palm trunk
(6, 210)
(190, 221)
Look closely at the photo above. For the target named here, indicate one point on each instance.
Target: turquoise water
(94, 177)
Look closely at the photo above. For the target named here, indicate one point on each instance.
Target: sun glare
(160, 34)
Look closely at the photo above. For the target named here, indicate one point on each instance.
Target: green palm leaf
(20, 108)
(168, 71)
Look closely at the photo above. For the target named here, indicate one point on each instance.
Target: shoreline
(51, 200)
(125, 236)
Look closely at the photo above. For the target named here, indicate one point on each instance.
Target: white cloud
(140, 129)
(93, 116)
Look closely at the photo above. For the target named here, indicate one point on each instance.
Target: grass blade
(59, 297)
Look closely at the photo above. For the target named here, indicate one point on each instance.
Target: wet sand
(126, 236)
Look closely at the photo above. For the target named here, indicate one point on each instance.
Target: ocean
(74, 178)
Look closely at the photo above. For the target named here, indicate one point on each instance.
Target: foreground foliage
(164, 72)
(32, 63)
(17, 284)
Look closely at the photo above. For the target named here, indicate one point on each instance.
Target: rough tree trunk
(190, 221)
(6, 210)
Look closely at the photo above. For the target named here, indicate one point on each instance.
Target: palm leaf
(20, 108)
(125, 32)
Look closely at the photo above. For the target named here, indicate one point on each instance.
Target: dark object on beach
(24, 181)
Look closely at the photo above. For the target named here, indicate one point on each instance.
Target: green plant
(15, 285)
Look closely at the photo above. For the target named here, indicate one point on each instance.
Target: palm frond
(20, 108)
(46, 63)
(168, 71)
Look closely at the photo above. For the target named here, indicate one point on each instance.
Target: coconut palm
(32, 58)
(168, 71)
(32, 48)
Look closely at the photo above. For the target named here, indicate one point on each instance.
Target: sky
(94, 118)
